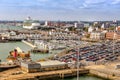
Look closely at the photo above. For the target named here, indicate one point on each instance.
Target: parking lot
(103, 52)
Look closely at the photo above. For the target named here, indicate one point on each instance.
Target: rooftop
(51, 63)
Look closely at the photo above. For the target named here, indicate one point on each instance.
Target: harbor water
(85, 77)
(7, 27)
(5, 48)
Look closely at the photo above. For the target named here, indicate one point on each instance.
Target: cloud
(115, 1)
(43, 0)
(100, 4)
(93, 3)
(60, 4)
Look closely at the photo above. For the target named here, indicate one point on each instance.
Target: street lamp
(78, 63)
(114, 36)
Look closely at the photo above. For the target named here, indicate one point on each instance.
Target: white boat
(31, 24)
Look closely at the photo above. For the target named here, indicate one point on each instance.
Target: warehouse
(52, 65)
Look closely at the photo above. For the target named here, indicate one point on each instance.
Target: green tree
(112, 28)
(85, 29)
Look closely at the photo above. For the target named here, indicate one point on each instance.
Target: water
(6, 27)
(5, 48)
(85, 77)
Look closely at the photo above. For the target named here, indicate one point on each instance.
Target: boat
(39, 50)
(41, 46)
(17, 54)
(31, 24)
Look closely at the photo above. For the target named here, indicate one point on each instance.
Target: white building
(97, 35)
(46, 23)
(5, 34)
(12, 33)
(103, 26)
(90, 29)
(67, 29)
(78, 25)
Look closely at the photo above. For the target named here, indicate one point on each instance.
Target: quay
(47, 75)
(6, 67)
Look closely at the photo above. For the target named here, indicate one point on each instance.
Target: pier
(46, 75)
(28, 43)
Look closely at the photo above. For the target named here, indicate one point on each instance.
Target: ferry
(31, 24)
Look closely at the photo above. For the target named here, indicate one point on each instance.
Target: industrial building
(49, 65)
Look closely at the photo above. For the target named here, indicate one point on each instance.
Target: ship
(31, 24)
(18, 54)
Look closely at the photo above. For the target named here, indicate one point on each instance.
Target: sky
(80, 10)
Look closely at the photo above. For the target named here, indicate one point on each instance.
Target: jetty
(47, 75)
(28, 43)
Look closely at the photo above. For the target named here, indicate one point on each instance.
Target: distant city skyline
(79, 10)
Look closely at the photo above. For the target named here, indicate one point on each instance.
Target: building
(30, 66)
(52, 65)
(79, 25)
(90, 29)
(118, 28)
(12, 33)
(103, 26)
(46, 23)
(113, 35)
(97, 35)
(4, 34)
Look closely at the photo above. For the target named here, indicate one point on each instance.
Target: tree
(85, 29)
(72, 29)
(112, 28)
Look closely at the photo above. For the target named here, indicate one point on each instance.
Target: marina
(59, 40)
(41, 63)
